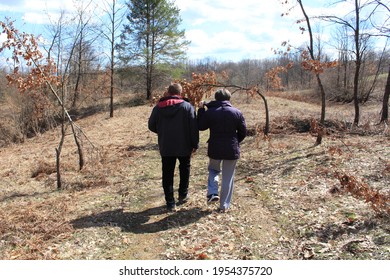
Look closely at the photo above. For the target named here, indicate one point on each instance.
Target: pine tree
(152, 37)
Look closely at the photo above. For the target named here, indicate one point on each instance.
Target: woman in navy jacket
(227, 130)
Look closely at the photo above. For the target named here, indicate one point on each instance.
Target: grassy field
(287, 202)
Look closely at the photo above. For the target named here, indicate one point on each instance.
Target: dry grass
(283, 205)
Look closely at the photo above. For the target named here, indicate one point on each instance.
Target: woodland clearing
(287, 202)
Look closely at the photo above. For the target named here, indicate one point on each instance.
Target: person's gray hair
(222, 95)
(175, 89)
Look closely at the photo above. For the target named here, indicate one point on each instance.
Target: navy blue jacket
(174, 121)
(227, 129)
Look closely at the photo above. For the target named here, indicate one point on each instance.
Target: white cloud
(35, 18)
(234, 30)
(222, 29)
(250, 28)
(225, 45)
(39, 11)
(3, 37)
(222, 11)
(54, 5)
(11, 5)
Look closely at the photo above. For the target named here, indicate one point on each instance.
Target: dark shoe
(212, 198)
(183, 200)
(171, 207)
(220, 210)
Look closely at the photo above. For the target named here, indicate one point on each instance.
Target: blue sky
(225, 30)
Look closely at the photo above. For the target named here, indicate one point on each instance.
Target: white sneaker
(212, 198)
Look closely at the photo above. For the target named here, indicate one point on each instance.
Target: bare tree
(385, 104)
(248, 72)
(82, 48)
(314, 58)
(25, 49)
(55, 48)
(114, 11)
(382, 27)
(360, 25)
(340, 36)
(384, 30)
(64, 62)
(358, 55)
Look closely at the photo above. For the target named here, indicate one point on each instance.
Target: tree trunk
(112, 92)
(59, 149)
(356, 95)
(112, 62)
(385, 106)
(322, 91)
(358, 64)
(320, 133)
(79, 147)
(266, 127)
(58, 169)
(148, 83)
(112, 84)
(78, 78)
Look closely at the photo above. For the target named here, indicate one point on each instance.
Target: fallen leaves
(379, 202)
(33, 229)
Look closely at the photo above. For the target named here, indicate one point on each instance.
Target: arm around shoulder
(241, 130)
(202, 123)
(152, 122)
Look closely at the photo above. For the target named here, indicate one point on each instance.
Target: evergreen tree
(152, 37)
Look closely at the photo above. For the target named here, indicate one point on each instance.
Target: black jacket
(174, 121)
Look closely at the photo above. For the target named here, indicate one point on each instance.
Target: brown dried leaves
(379, 202)
(24, 47)
(32, 229)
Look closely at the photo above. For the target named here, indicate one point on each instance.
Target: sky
(235, 30)
(223, 30)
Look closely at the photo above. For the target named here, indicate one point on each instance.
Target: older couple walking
(177, 125)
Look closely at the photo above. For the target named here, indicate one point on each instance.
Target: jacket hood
(215, 103)
(169, 105)
(170, 101)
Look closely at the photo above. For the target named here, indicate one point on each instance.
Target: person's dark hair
(175, 89)
(222, 95)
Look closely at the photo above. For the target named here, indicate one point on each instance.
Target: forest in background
(20, 115)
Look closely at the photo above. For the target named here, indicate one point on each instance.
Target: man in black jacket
(174, 121)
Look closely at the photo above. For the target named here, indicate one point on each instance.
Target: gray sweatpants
(227, 184)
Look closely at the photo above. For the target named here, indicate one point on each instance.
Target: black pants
(168, 172)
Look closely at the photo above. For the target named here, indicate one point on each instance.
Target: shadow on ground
(147, 221)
